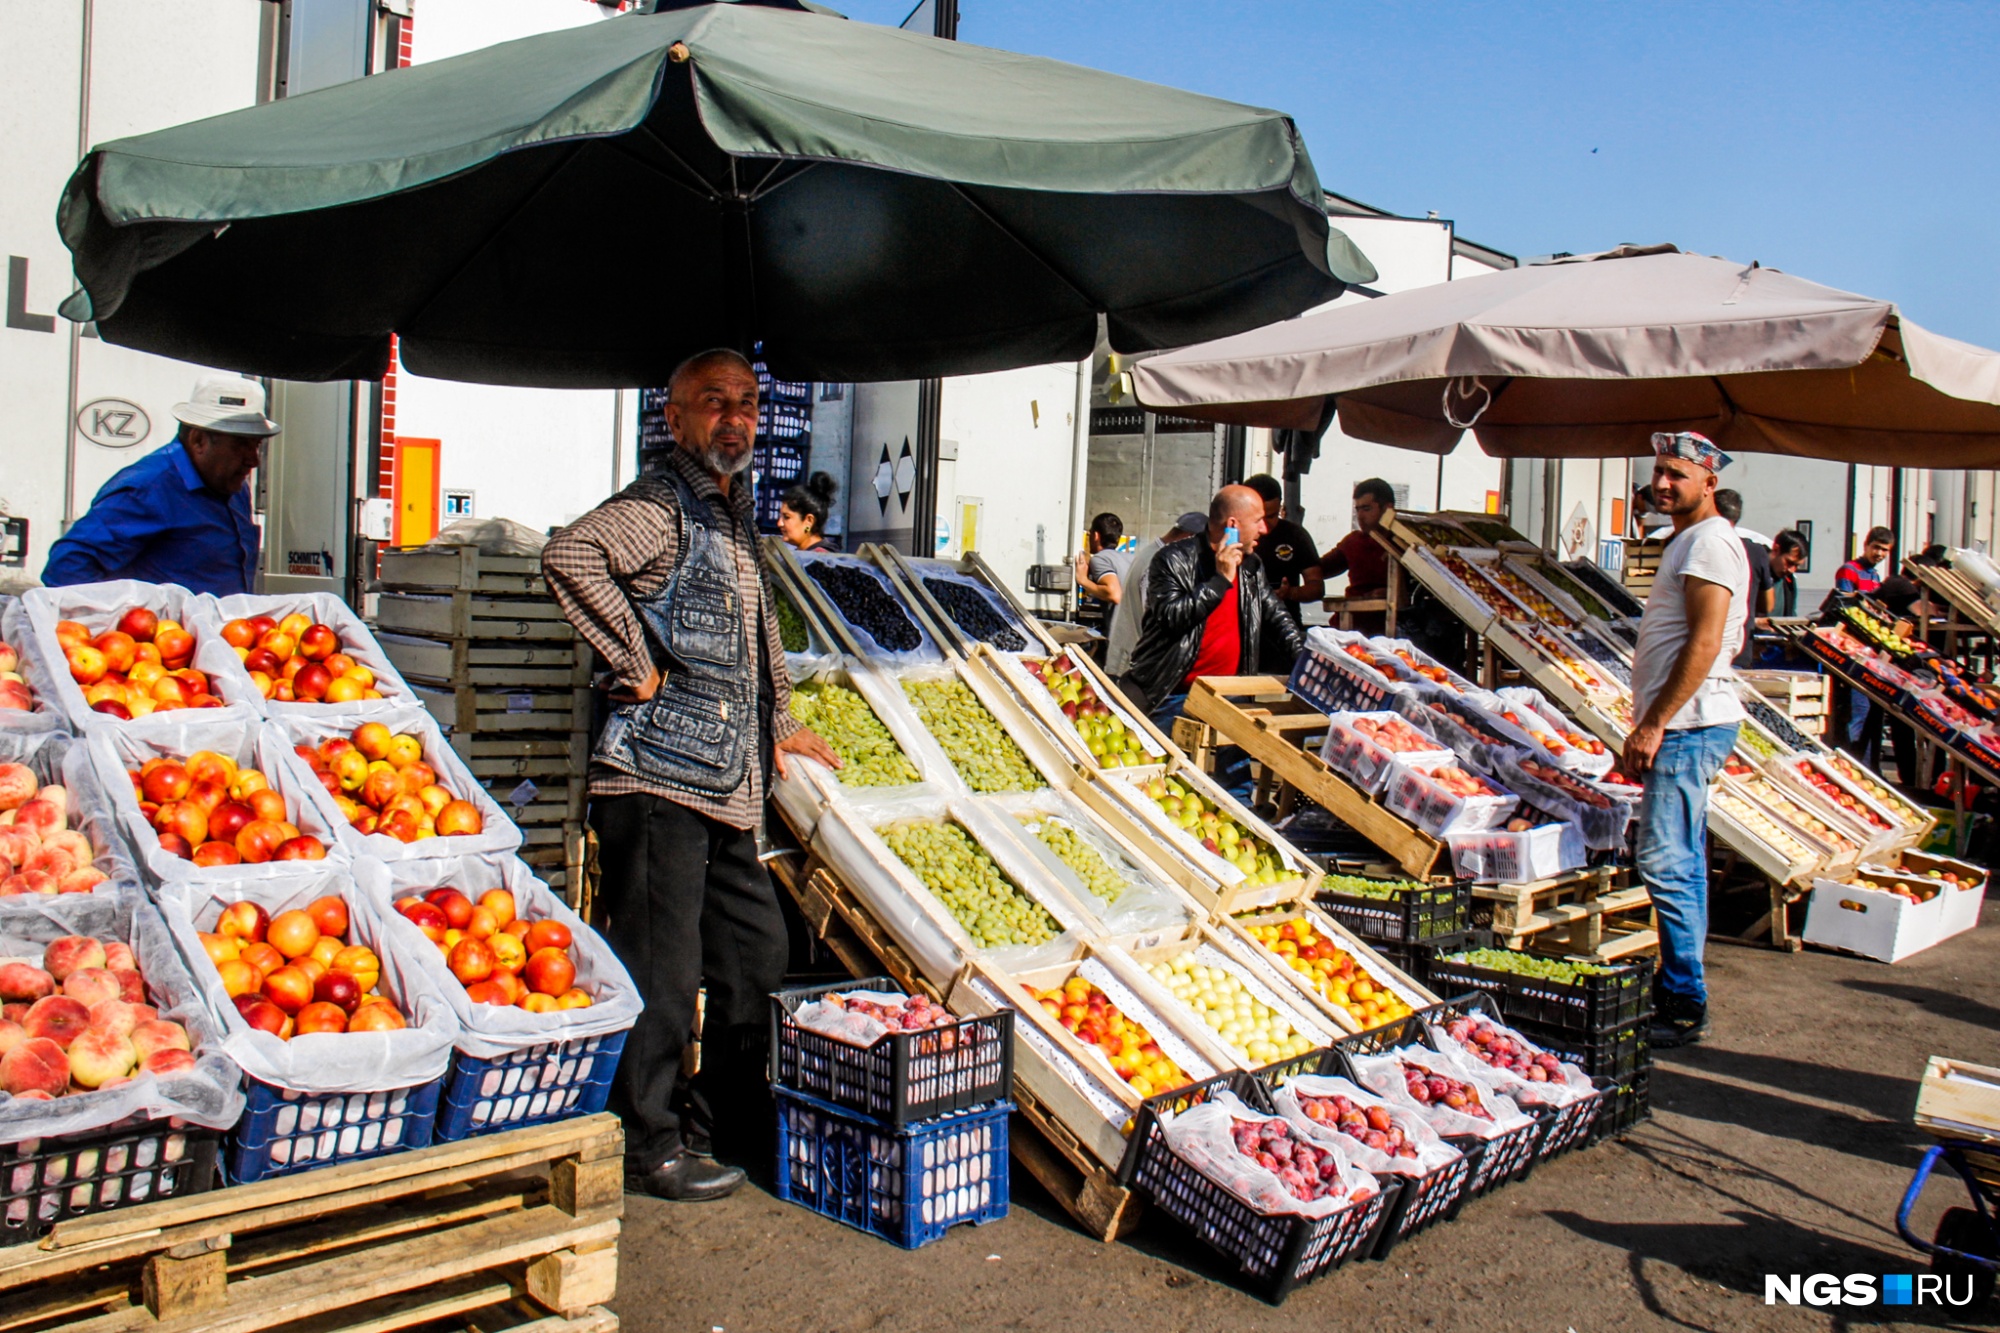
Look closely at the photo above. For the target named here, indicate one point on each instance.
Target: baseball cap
(1193, 522)
(229, 404)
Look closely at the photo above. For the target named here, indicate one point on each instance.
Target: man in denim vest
(664, 581)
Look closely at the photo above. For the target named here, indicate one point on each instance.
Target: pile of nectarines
(295, 972)
(298, 660)
(139, 666)
(381, 783)
(499, 957)
(79, 1022)
(209, 810)
(39, 852)
(14, 691)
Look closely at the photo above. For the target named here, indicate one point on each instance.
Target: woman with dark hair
(802, 514)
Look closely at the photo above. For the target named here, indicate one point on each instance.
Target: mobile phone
(1230, 536)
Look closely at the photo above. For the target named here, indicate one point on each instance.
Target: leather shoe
(686, 1178)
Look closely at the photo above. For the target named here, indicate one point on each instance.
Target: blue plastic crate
(908, 1185)
(284, 1131)
(552, 1081)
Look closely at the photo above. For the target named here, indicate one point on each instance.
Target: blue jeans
(1232, 765)
(1673, 849)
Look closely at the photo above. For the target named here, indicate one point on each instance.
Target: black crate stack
(1409, 928)
(784, 442)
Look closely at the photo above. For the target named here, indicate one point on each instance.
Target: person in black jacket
(1208, 608)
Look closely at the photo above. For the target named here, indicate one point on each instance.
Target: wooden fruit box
(469, 708)
(483, 664)
(472, 615)
(908, 576)
(385, 1243)
(524, 754)
(1017, 680)
(1131, 966)
(1380, 970)
(1957, 1099)
(1776, 863)
(463, 569)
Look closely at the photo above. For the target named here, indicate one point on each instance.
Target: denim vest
(694, 734)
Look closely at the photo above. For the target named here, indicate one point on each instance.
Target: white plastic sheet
(1357, 756)
(850, 1026)
(808, 785)
(1573, 1084)
(927, 649)
(1383, 1075)
(489, 1031)
(1147, 906)
(1576, 759)
(1432, 1151)
(99, 606)
(1202, 1137)
(56, 757)
(356, 640)
(319, 1062)
(1413, 793)
(18, 635)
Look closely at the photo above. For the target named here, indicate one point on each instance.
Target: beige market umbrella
(1587, 357)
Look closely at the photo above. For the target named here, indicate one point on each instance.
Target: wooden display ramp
(516, 1231)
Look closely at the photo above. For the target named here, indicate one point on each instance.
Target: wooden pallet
(472, 615)
(1587, 913)
(1642, 563)
(1274, 727)
(475, 708)
(463, 569)
(381, 1244)
(483, 664)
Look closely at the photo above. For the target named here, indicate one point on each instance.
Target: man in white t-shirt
(1686, 712)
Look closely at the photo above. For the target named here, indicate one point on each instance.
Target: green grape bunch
(978, 746)
(993, 911)
(1095, 872)
(1527, 965)
(869, 755)
(1360, 887)
(792, 632)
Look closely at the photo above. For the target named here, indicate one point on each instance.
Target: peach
(12, 1034)
(33, 1066)
(140, 623)
(309, 684)
(550, 972)
(459, 818)
(457, 908)
(15, 1011)
(227, 820)
(18, 844)
(329, 914)
(24, 981)
(489, 992)
(58, 1018)
(55, 862)
(171, 1060)
(547, 934)
(322, 1017)
(574, 998)
(244, 921)
(259, 841)
(267, 805)
(72, 953)
(245, 783)
(159, 1034)
(481, 924)
(238, 634)
(416, 777)
(264, 958)
(176, 645)
(434, 799)
(261, 1014)
(118, 956)
(300, 848)
(175, 845)
(500, 903)
(372, 739)
(292, 933)
(380, 787)
(350, 769)
(238, 977)
(41, 816)
(217, 854)
(87, 665)
(290, 988)
(17, 786)
(183, 820)
(358, 961)
(166, 782)
(537, 1003)
(30, 881)
(471, 960)
(509, 954)
(131, 984)
(338, 988)
(220, 948)
(83, 879)
(344, 690)
(117, 1017)
(119, 648)
(376, 1016)
(207, 796)
(96, 1056)
(92, 984)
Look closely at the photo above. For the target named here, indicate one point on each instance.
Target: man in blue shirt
(182, 513)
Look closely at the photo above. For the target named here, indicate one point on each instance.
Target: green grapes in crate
(869, 755)
(1527, 965)
(978, 746)
(964, 878)
(792, 632)
(1095, 872)
(1361, 887)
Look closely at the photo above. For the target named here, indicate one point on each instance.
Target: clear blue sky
(1854, 144)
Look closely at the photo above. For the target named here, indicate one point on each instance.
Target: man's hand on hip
(638, 694)
(804, 741)
(1641, 747)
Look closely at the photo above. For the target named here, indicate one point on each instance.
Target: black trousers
(687, 903)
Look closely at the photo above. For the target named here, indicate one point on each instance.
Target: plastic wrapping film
(1498, 856)
(1415, 795)
(319, 1062)
(1432, 1151)
(1147, 905)
(99, 606)
(1382, 1075)
(210, 1094)
(926, 650)
(1470, 748)
(1573, 1084)
(1602, 827)
(808, 785)
(235, 734)
(1388, 648)
(357, 640)
(489, 1031)
(17, 635)
(56, 757)
(497, 833)
(1203, 1137)
(1574, 758)
(1349, 751)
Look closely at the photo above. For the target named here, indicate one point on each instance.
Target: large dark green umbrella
(585, 208)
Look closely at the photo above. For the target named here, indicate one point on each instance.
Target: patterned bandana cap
(1694, 448)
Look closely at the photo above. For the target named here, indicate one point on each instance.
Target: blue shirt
(158, 521)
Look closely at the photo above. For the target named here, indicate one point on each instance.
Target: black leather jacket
(1182, 589)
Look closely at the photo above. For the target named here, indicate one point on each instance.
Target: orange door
(416, 491)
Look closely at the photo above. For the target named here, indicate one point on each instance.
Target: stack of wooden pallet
(1800, 695)
(1642, 562)
(482, 643)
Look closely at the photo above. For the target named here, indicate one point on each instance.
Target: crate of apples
(1331, 971)
(498, 956)
(76, 1020)
(297, 972)
(212, 811)
(141, 666)
(298, 660)
(39, 851)
(382, 784)
(15, 696)
(1090, 1016)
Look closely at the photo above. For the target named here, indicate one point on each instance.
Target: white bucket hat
(229, 404)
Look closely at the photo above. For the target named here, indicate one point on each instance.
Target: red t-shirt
(1221, 651)
(1359, 556)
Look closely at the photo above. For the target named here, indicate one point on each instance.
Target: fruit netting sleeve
(210, 1094)
(1147, 903)
(1432, 1151)
(1383, 1075)
(356, 640)
(1525, 1091)
(1201, 1136)
(489, 1031)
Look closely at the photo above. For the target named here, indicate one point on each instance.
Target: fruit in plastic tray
(1528, 965)
(960, 873)
(1096, 873)
(1875, 788)
(39, 852)
(1330, 970)
(1907, 892)
(1432, 1089)
(1307, 1172)
(15, 696)
(1954, 716)
(1460, 783)
(1218, 833)
(793, 636)
(139, 666)
(1128, 1047)
(1371, 1126)
(1492, 1044)
(1110, 741)
(1837, 794)
(1437, 675)
(1218, 997)
(1565, 784)
(288, 976)
(977, 745)
(1360, 886)
(917, 1013)
(869, 755)
(971, 612)
(499, 956)
(1393, 734)
(1762, 825)
(382, 784)
(1881, 632)
(298, 660)
(865, 604)
(83, 1022)
(209, 810)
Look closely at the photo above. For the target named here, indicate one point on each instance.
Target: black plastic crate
(1274, 1253)
(1573, 1124)
(1568, 1125)
(1613, 1056)
(1592, 1004)
(51, 1180)
(1414, 960)
(1439, 911)
(903, 1076)
(1504, 1157)
(1625, 1106)
(1408, 1030)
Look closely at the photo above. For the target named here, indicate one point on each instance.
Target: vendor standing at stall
(664, 581)
(182, 513)
(1358, 555)
(1687, 715)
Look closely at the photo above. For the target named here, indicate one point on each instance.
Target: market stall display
(23, 707)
